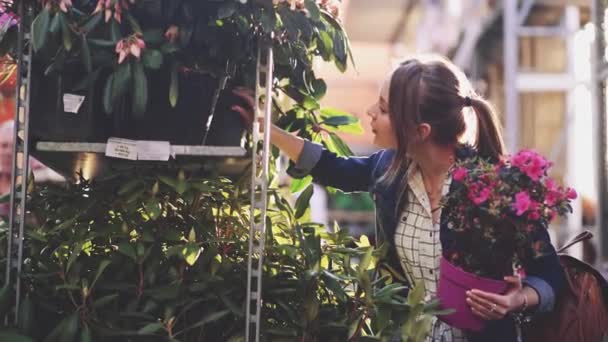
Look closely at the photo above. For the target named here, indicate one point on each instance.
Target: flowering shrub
(217, 38)
(495, 212)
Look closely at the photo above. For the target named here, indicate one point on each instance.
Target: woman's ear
(424, 131)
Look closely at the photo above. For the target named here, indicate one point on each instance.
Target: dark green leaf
(101, 42)
(66, 34)
(150, 328)
(86, 54)
(85, 334)
(153, 59)
(127, 249)
(140, 90)
(6, 296)
(134, 25)
(14, 337)
(102, 267)
(55, 25)
(121, 82)
(340, 120)
(313, 10)
(101, 302)
(107, 95)
(212, 317)
(154, 36)
(91, 23)
(303, 201)
(40, 29)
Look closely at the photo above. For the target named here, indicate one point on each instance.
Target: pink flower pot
(453, 285)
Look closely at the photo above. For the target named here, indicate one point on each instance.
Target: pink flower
(530, 163)
(482, 196)
(459, 174)
(571, 194)
(522, 203)
(131, 45)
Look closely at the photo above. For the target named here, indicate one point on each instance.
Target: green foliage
(141, 256)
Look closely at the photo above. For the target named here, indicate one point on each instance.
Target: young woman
(420, 121)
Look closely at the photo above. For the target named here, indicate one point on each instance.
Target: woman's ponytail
(489, 143)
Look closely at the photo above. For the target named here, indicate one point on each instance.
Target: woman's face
(384, 135)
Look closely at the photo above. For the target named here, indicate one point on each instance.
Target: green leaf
(150, 328)
(91, 23)
(340, 120)
(101, 43)
(26, 316)
(319, 88)
(55, 25)
(191, 252)
(107, 95)
(154, 36)
(416, 295)
(140, 90)
(101, 302)
(153, 208)
(328, 112)
(127, 249)
(298, 185)
(313, 10)
(102, 267)
(6, 296)
(14, 337)
(174, 87)
(121, 82)
(85, 334)
(341, 148)
(86, 54)
(152, 58)
(366, 260)
(66, 34)
(40, 29)
(66, 330)
(75, 253)
(303, 201)
(212, 317)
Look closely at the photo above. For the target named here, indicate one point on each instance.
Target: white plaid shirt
(419, 248)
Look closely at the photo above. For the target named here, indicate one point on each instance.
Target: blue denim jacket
(545, 275)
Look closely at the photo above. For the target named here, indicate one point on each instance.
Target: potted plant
(139, 64)
(493, 212)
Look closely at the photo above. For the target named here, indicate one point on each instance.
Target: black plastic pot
(184, 124)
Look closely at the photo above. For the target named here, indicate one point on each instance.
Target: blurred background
(543, 64)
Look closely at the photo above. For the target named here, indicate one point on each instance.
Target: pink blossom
(482, 196)
(530, 163)
(571, 194)
(131, 45)
(522, 203)
(459, 174)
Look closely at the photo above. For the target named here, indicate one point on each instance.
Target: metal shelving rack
(20, 164)
(52, 150)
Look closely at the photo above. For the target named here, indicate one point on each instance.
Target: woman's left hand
(491, 306)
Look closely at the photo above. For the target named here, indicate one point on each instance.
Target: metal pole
(511, 67)
(259, 192)
(20, 163)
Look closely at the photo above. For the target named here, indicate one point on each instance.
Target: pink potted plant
(492, 214)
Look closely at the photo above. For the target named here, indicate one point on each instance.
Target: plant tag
(72, 103)
(121, 148)
(153, 150)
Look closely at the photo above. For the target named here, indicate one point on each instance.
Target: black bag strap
(583, 236)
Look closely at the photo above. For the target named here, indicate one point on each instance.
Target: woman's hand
(491, 306)
(245, 111)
